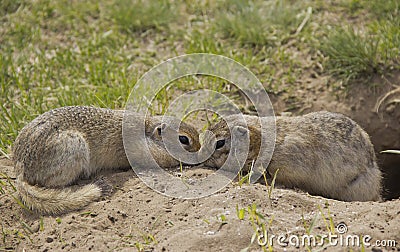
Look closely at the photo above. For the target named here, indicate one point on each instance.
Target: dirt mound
(137, 217)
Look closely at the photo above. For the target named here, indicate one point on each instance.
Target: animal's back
(66, 130)
(326, 153)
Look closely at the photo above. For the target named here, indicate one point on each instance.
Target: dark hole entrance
(390, 167)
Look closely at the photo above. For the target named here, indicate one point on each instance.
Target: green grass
(257, 23)
(198, 42)
(260, 224)
(58, 53)
(362, 52)
(351, 54)
(140, 16)
(379, 9)
(354, 54)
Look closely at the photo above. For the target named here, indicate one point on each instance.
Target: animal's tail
(55, 201)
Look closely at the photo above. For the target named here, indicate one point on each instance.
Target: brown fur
(322, 153)
(65, 144)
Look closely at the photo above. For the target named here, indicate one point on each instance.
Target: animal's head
(234, 134)
(171, 140)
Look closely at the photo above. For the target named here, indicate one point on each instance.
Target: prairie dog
(323, 153)
(65, 144)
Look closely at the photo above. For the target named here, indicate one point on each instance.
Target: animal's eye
(220, 144)
(184, 140)
(159, 131)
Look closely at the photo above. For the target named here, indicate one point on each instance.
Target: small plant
(328, 220)
(139, 16)
(9, 6)
(360, 55)
(41, 224)
(272, 186)
(139, 246)
(147, 238)
(312, 224)
(223, 220)
(383, 9)
(9, 184)
(205, 42)
(258, 23)
(351, 54)
(258, 222)
(310, 227)
(240, 212)
(362, 244)
(27, 229)
(244, 179)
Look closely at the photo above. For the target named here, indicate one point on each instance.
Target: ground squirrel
(65, 144)
(323, 153)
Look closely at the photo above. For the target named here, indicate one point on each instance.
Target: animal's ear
(240, 130)
(158, 130)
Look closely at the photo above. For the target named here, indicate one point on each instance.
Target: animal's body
(65, 144)
(322, 153)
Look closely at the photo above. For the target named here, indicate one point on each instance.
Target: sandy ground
(135, 216)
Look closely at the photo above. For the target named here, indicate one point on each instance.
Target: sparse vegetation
(91, 53)
(140, 16)
(258, 23)
(362, 52)
(355, 54)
